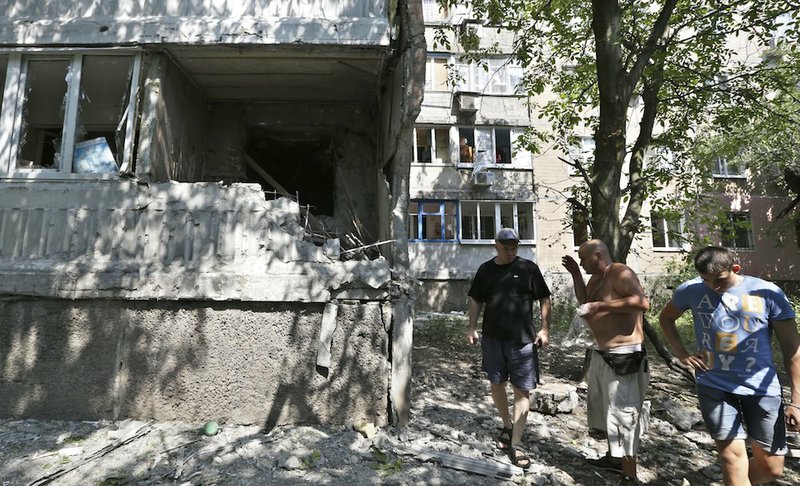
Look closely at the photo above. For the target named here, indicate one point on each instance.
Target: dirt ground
(452, 414)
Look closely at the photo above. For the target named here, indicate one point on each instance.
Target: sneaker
(628, 481)
(607, 462)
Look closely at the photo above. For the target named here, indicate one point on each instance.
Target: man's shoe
(607, 462)
(628, 481)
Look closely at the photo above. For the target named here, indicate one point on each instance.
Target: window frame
(479, 151)
(724, 172)
(736, 226)
(442, 213)
(434, 154)
(496, 80)
(669, 236)
(497, 221)
(13, 104)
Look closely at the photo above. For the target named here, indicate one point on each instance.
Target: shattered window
(74, 112)
(105, 84)
(3, 67)
(43, 112)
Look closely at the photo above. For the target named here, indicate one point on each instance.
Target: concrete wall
(357, 22)
(196, 361)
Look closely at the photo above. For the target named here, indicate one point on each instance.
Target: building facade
(193, 200)
(469, 178)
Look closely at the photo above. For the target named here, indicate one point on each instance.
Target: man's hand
(792, 414)
(542, 339)
(570, 264)
(588, 309)
(472, 337)
(696, 361)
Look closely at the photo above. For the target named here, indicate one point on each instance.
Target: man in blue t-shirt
(506, 287)
(737, 384)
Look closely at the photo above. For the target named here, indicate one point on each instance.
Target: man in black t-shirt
(506, 286)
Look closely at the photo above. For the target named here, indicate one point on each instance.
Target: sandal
(518, 457)
(504, 439)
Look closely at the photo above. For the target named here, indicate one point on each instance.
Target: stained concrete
(248, 363)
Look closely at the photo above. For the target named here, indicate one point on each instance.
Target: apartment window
(69, 113)
(436, 73)
(667, 232)
(432, 220)
(581, 152)
(433, 12)
(725, 168)
(496, 76)
(487, 145)
(431, 145)
(481, 220)
(737, 231)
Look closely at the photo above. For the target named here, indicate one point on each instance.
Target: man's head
(506, 244)
(716, 268)
(594, 256)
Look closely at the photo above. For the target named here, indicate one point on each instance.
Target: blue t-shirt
(734, 331)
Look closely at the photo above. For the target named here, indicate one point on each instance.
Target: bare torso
(613, 329)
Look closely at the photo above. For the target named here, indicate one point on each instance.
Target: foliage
(310, 460)
(670, 67)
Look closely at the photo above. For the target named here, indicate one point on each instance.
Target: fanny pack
(625, 363)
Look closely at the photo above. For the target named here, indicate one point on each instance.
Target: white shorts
(614, 404)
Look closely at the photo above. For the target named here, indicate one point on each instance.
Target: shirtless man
(613, 303)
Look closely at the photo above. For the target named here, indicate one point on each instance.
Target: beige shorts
(614, 404)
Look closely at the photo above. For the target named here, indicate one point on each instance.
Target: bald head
(595, 245)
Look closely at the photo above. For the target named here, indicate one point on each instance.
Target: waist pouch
(626, 363)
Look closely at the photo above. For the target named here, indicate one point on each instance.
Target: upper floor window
(432, 145)
(433, 12)
(68, 113)
(436, 73)
(725, 168)
(432, 220)
(489, 145)
(499, 76)
(667, 232)
(737, 231)
(481, 220)
(581, 152)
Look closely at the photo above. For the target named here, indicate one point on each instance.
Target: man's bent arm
(786, 332)
(670, 314)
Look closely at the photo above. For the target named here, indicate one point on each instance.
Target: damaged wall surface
(243, 363)
(248, 175)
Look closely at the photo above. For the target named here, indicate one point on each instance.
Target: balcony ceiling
(283, 73)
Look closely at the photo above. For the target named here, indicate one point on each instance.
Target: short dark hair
(713, 259)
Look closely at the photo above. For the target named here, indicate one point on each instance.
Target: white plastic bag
(578, 334)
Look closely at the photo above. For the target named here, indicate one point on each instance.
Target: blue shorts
(502, 359)
(727, 415)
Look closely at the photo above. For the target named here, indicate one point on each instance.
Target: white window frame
(432, 84)
(729, 216)
(722, 170)
(485, 138)
(501, 79)
(582, 151)
(447, 158)
(11, 117)
(668, 235)
(497, 221)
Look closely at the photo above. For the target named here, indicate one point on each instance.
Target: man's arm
(475, 308)
(577, 279)
(669, 314)
(543, 336)
(786, 332)
(626, 284)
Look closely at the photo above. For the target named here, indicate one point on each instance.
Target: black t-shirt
(508, 292)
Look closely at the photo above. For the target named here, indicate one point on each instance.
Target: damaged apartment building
(199, 209)
(470, 177)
